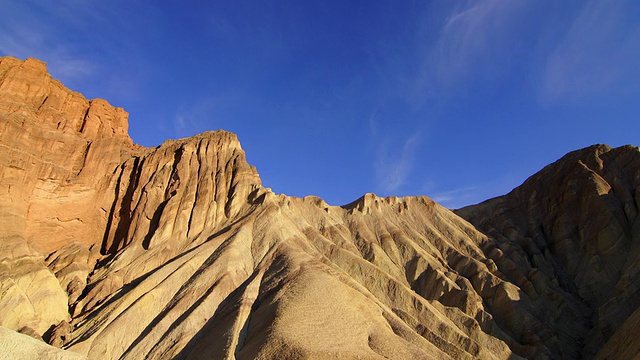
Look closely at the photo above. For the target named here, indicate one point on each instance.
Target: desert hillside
(111, 250)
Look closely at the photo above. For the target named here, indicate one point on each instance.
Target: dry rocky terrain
(110, 250)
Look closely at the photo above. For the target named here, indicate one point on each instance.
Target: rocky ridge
(576, 221)
(112, 250)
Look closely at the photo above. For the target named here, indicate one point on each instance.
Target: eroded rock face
(112, 250)
(51, 197)
(14, 345)
(576, 223)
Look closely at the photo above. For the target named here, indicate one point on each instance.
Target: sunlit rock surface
(115, 251)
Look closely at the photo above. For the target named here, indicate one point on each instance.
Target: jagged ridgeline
(111, 250)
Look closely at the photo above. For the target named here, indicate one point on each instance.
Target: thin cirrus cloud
(76, 42)
(458, 197)
(395, 161)
(25, 33)
(597, 56)
(205, 114)
(191, 120)
(474, 44)
(593, 51)
(26, 43)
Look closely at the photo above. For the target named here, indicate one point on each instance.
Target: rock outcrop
(14, 345)
(575, 222)
(57, 154)
(112, 250)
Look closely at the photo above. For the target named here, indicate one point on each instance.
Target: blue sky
(457, 100)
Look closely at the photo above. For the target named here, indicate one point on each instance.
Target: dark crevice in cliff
(124, 212)
(199, 177)
(153, 225)
(174, 179)
(231, 194)
(44, 100)
(84, 119)
(85, 154)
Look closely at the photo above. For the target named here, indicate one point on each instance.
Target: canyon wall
(111, 250)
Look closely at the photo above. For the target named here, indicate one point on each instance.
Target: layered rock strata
(116, 251)
(58, 152)
(575, 222)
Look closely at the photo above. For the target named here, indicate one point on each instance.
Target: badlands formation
(110, 250)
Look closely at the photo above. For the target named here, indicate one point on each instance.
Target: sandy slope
(116, 251)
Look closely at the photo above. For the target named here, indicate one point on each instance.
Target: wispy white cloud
(561, 51)
(187, 122)
(373, 127)
(180, 123)
(598, 55)
(475, 43)
(27, 35)
(203, 115)
(458, 197)
(68, 36)
(68, 67)
(24, 43)
(394, 162)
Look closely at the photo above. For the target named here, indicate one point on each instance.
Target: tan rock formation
(575, 223)
(56, 149)
(14, 345)
(112, 250)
